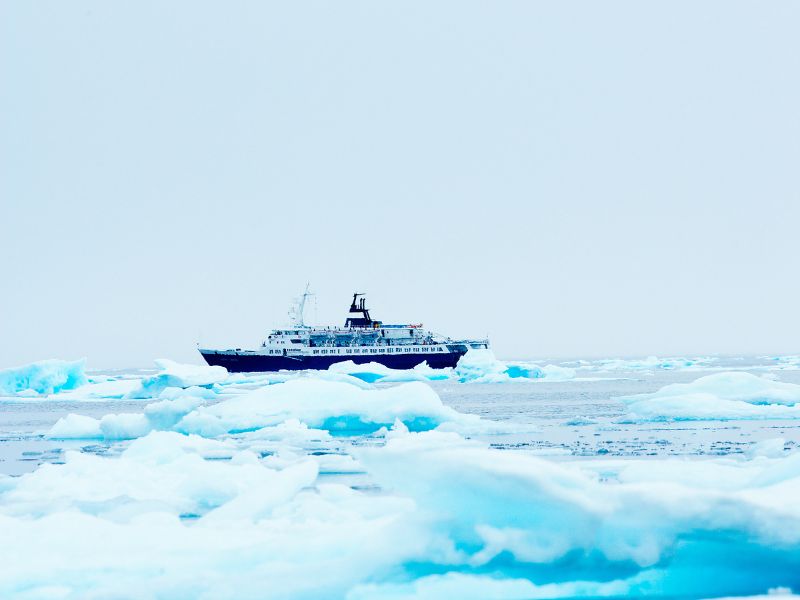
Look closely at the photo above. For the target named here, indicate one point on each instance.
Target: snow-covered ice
(340, 485)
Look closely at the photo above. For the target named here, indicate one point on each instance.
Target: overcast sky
(571, 178)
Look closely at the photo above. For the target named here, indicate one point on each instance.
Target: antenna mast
(298, 307)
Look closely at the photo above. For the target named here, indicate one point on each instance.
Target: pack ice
(453, 518)
(222, 493)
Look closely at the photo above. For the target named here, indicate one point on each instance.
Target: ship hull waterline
(250, 363)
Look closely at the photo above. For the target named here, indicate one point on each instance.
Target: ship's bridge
(359, 329)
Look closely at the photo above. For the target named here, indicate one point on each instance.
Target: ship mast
(298, 307)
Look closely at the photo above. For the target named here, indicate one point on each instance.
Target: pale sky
(570, 178)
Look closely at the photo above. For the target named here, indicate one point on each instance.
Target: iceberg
(176, 375)
(43, 377)
(721, 396)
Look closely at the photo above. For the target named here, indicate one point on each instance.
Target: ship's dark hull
(247, 363)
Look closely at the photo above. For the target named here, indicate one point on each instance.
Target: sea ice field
(656, 477)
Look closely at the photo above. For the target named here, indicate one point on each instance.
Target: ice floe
(43, 377)
(520, 511)
(721, 396)
(481, 366)
(296, 408)
(177, 375)
(372, 372)
(333, 406)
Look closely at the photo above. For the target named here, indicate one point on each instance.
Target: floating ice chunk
(369, 372)
(166, 413)
(124, 426)
(111, 389)
(178, 375)
(478, 364)
(557, 373)
(481, 366)
(737, 385)
(333, 406)
(730, 395)
(157, 416)
(43, 377)
(75, 427)
(372, 372)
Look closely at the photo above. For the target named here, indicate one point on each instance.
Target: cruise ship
(362, 339)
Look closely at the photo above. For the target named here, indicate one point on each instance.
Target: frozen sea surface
(518, 479)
